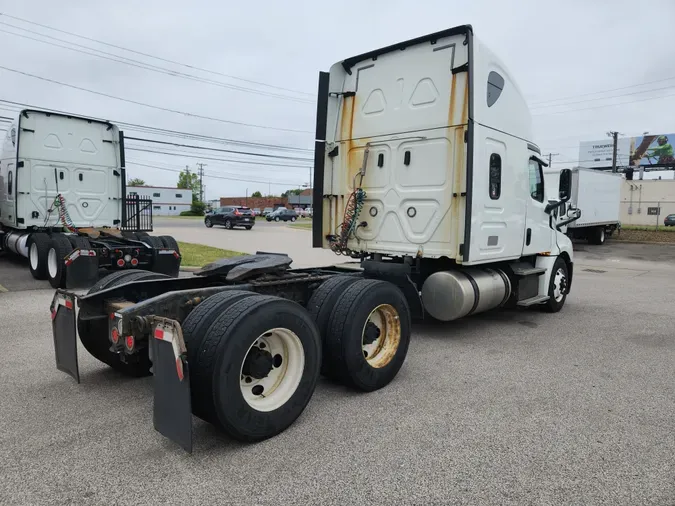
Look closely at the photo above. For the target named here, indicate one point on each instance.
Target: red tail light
(115, 335)
(134, 262)
(129, 342)
(120, 262)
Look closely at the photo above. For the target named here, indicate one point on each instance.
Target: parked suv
(282, 214)
(231, 216)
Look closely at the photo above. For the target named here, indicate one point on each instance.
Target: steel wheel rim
(34, 257)
(559, 284)
(52, 263)
(382, 350)
(288, 364)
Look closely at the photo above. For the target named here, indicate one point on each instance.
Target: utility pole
(550, 155)
(615, 138)
(200, 171)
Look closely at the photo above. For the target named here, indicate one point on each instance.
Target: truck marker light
(69, 304)
(115, 335)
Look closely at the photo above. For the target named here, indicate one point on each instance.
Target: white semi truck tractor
(63, 204)
(425, 174)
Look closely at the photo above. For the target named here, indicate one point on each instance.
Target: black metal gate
(136, 214)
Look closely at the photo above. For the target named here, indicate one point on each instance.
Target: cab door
(538, 233)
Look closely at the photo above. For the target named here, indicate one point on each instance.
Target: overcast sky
(555, 50)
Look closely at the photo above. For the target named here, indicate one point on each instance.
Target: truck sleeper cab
(63, 203)
(425, 172)
(424, 152)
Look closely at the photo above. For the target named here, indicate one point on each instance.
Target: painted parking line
(3, 289)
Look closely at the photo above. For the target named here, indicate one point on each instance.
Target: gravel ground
(503, 408)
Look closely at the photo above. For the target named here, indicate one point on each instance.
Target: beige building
(641, 200)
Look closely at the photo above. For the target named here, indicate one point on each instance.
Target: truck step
(533, 300)
(528, 271)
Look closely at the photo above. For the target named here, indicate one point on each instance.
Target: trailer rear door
(74, 157)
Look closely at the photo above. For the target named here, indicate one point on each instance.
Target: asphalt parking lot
(502, 408)
(265, 236)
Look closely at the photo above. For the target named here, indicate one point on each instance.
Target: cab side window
(536, 181)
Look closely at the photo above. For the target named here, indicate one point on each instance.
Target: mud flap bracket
(64, 332)
(172, 410)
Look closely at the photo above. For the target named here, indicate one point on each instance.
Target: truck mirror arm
(555, 204)
(576, 216)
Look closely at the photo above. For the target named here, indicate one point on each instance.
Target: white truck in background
(63, 204)
(597, 195)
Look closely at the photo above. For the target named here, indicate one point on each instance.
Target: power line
(153, 56)
(145, 66)
(603, 91)
(602, 106)
(164, 131)
(135, 102)
(191, 146)
(604, 98)
(227, 160)
(216, 177)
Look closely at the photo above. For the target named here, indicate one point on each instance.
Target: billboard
(642, 151)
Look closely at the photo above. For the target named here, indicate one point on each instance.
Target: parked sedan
(230, 217)
(282, 214)
(669, 220)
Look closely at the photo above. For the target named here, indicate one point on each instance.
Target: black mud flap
(81, 269)
(65, 334)
(172, 412)
(166, 261)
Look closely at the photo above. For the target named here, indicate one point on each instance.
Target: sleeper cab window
(495, 176)
(495, 86)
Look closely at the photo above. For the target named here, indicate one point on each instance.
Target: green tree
(189, 181)
(256, 194)
(198, 208)
(136, 182)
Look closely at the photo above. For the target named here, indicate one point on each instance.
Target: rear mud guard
(81, 269)
(166, 261)
(65, 334)
(172, 410)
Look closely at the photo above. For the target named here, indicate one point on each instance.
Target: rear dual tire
(256, 367)
(365, 326)
(94, 333)
(38, 250)
(60, 247)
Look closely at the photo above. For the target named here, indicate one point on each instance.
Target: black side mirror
(565, 186)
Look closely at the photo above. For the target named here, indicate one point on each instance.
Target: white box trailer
(597, 195)
(63, 203)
